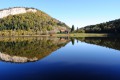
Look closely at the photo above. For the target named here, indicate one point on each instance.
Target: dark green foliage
(38, 21)
(108, 27)
(73, 28)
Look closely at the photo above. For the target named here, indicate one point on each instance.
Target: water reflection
(77, 60)
(109, 42)
(28, 49)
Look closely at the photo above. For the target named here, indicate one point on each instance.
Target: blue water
(81, 61)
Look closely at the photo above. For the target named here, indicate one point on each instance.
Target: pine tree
(73, 28)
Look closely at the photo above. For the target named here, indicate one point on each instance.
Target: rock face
(16, 59)
(14, 11)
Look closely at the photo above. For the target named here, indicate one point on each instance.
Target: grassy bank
(71, 35)
(82, 35)
(32, 33)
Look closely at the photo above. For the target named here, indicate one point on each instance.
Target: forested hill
(29, 19)
(108, 27)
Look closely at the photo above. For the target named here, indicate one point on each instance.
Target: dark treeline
(108, 27)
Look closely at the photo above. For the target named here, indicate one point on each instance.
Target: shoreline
(68, 35)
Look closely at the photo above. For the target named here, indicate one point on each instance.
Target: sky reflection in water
(87, 59)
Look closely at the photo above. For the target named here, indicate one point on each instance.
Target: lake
(52, 58)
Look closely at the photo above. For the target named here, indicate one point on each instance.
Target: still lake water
(38, 58)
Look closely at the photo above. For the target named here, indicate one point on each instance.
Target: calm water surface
(59, 58)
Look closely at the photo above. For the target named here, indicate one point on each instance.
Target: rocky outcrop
(16, 59)
(14, 11)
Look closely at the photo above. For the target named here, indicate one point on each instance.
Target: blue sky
(73, 12)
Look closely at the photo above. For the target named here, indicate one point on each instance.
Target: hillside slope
(108, 27)
(29, 19)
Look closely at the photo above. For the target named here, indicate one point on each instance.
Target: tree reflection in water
(110, 42)
(27, 49)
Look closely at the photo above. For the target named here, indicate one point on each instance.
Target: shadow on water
(109, 42)
(28, 49)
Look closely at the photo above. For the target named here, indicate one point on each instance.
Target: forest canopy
(38, 21)
(107, 27)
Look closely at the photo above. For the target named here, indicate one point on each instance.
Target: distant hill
(107, 27)
(29, 19)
